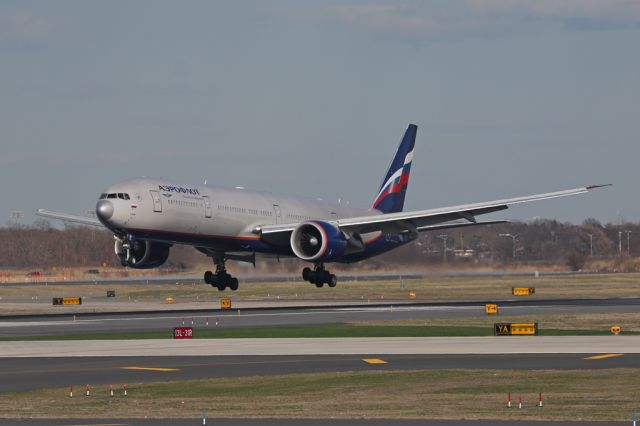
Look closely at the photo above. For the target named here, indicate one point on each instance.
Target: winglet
(599, 186)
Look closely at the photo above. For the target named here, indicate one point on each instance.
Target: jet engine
(318, 241)
(141, 254)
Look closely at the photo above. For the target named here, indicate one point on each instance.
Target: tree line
(543, 241)
(537, 241)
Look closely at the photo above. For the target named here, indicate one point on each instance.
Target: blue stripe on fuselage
(378, 246)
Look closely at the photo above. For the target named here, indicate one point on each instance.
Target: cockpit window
(120, 195)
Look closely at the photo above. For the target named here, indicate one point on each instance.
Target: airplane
(149, 216)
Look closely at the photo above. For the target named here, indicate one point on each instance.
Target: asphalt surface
(306, 316)
(99, 371)
(287, 422)
(270, 278)
(19, 374)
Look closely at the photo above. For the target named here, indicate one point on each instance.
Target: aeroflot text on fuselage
(178, 190)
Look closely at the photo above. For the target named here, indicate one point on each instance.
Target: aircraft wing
(458, 224)
(424, 220)
(91, 221)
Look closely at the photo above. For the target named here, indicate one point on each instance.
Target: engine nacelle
(318, 241)
(141, 254)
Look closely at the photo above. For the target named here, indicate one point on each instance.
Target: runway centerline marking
(604, 356)
(150, 369)
(374, 361)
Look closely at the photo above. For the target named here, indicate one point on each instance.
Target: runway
(30, 365)
(628, 344)
(19, 374)
(278, 278)
(165, 321)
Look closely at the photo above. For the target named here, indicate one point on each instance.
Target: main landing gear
(319, 276)
(221, 279)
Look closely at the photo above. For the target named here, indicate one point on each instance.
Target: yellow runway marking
(150, 369)
(604, 356)
(374, 361)
(101, 424)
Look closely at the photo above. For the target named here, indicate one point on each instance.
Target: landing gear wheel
(220, 279)
(332, 281)
(306, 274)
(319, 276)
(234, 284)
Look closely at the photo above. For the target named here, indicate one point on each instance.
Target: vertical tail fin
(390, 198)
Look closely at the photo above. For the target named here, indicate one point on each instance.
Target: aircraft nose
(104, 210)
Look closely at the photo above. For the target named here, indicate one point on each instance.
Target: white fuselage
(215, 217)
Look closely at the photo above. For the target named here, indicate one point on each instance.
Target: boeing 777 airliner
(148, 216)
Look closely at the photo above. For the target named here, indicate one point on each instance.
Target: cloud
(24, 26)
(438, 19)
(406, 19)
(567, 9)
(581, 15)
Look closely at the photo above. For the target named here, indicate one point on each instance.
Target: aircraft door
(278, 213)
(207, 206)
(157, 201)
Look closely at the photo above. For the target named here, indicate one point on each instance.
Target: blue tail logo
(390, 198)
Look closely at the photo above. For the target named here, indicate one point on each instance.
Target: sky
(511, 98)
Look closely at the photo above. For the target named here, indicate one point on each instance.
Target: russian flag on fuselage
(390, 198)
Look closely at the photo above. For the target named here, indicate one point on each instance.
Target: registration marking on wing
(604, 356)
(162, 369)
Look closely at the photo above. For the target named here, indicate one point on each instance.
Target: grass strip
(337, 330)
(607, 394)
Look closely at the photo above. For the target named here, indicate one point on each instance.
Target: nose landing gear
(319, 276)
